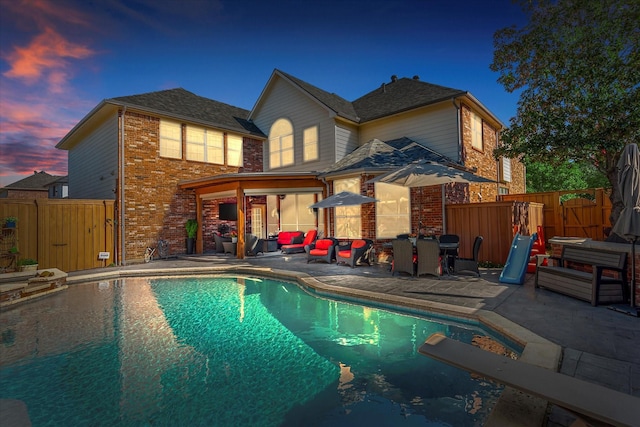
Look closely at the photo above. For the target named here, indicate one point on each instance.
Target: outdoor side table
(229, 247)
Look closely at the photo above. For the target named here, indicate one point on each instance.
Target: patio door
(258, 221)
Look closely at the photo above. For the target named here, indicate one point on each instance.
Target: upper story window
(476, 132)
(505, 169)
(170, 139)
(310, 144)
(281, 144)
(234, 150)
(205, 145)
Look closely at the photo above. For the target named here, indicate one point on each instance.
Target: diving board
(585, 399)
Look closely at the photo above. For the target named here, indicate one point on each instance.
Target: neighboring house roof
(379, 156)
(39, 181)
(181, 103)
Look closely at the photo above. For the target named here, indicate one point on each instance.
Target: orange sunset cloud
(47, 51)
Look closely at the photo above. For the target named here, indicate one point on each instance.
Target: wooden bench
(592, 286)
(586, 400)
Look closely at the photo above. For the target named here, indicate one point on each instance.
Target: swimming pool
(229, 351)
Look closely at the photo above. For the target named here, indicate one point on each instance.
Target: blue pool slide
(515, 268)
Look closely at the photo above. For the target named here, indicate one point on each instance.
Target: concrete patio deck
(595, 344)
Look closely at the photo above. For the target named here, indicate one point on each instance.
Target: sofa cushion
(286, 237)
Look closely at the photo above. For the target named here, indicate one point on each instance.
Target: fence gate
(580, 218)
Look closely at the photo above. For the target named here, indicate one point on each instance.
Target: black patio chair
(469, 264)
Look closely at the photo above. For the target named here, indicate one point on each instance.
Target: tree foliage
(577, 63)
(570, 176)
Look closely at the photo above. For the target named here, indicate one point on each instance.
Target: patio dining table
(446, 248)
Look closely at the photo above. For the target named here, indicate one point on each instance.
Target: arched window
(281, 144)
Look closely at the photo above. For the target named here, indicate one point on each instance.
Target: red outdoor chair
(354, 252)
(322, 250)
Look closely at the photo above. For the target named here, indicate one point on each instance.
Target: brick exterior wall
(155, 208)
(27, 194)
(486, 164)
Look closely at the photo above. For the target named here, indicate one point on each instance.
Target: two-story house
(171, 155)
(312, 130)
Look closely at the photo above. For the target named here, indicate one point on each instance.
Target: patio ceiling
(254, 183)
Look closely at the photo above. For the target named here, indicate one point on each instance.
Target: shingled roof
(181, 103)
(401, 95)
(336, 103)
(377, 156)
(391, 98)
(38, 181)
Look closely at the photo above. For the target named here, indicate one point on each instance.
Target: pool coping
(513, 408)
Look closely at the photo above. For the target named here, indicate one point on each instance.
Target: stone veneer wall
(155, 208)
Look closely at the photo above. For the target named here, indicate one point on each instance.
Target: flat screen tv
(228, 211)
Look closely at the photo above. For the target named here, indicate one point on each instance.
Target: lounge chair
(402, 256)
(469, 264)
(354, 252)
(428, 251)
(294, 248)
(322, 250)
(289, 238)
(253, 245)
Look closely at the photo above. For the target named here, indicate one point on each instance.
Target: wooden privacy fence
(495, 222)
(63, 234)
(585, 216)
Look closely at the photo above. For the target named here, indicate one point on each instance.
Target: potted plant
(10, 222)
(192, 229)
(234, 236)
(28, 264)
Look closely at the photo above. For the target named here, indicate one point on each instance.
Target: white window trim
(212, 145)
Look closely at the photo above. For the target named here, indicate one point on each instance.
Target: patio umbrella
(425, 173)
(345, 198)
(628, 224)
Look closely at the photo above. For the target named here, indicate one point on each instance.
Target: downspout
(457, 107)
(444, 209)
(122, 162)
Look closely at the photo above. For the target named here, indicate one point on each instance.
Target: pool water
(221, 351)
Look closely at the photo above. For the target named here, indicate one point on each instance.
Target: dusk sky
(60, 58)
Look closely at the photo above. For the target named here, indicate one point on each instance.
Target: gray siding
(346, 140)
(93, 164)
(435, 127)
(285, 101)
